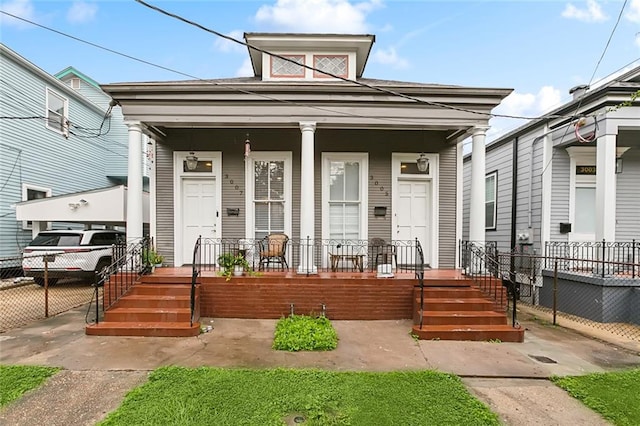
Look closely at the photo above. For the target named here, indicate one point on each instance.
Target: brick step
(148, 329)
(504, 333)
(147, 315)
(153, 301)
(463, 318)
(162, 289)
(449, 292)
(165, 279)
(458, 304)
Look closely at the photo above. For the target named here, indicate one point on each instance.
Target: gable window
(57, 112)
(491, 185)
(31, 192)
(284, 68)
(332, 64)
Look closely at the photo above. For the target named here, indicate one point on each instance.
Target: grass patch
(616, 396)
(305, 333)
(214, 396)
(16, 380)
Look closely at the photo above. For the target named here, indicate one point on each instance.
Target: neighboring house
(573, 177)
(54, 140)
(294, 150)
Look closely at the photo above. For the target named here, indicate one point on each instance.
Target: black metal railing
(196, 266)
(492, 275)
(312, 255)
(420, 277)
(129, 262)
(603, 258)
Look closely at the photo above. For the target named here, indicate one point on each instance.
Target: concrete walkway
(509, 377)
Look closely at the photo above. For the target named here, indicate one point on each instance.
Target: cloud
(21, 8)
(389, 57)
(321, 16)
(226, 46)
(246, 69)
(593, 12)
(81, 12)
(634, 12)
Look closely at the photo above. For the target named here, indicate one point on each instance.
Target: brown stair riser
(164, 290)
(449, 293)
(472, 335)
(127, 302)
(145, 332)
(129, 316)
(456, 306)
(463, 320)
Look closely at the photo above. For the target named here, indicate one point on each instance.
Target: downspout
(529, 207)
(514, 189)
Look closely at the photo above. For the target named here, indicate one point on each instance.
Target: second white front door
(199, 214)
(413, 216)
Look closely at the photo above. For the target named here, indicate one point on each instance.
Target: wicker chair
(273, 249)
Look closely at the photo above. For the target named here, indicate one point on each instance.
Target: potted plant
(152, 258)
(233, 264)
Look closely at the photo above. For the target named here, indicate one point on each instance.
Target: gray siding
(34, 155)
(500, 160)
(628, 197)
(559, 193)
(164, 202)
(447, 210)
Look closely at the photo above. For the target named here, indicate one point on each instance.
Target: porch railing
(128, 263)
(603, 258)
(196, 266)
(322, 255)
(420, 278)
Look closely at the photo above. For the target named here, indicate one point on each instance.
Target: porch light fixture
(423, 163)
(619, 165)
(247, 147)
(192, 162)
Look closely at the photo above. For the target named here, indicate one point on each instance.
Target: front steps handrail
(196, 266)
(420, 277)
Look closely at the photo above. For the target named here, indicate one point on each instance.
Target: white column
(307, 204)
(606, 188)
(477, 213)
(134, 183)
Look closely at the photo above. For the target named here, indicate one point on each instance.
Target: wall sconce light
(83, 202)
(74, 206)
(192, 162)
(247, 147)
(423, 163)
(618, 165)
(80, 203)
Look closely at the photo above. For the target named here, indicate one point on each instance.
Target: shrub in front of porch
(304, 333)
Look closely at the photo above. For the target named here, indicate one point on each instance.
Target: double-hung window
(57, 112)
(491, 186)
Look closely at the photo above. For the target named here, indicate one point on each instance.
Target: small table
(356, 259)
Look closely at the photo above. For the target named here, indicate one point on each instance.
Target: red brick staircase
(155, 306)
(460, 311)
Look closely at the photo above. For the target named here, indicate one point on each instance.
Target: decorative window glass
(332, 64)
(57, 108)
(203, 166)
(344, 200)
(269, 197)
(491, 183)
(283, 68)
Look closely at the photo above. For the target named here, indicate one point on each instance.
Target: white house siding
(164, 201)
(35, 155)
(447, 208)
(559, 193)
(529, 195)
(500, 160)
(628, 196)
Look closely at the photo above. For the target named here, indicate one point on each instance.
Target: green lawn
(305, 333)
(15, 380)
(614, 395)
(215, 396)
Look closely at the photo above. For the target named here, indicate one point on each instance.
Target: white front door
(199, 214)
(413, 217)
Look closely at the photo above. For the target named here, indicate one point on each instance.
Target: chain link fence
(55, 285)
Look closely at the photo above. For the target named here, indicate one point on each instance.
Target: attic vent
(75, 83)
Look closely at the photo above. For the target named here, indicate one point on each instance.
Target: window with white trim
(491, 186)
(283, 68)
(57, 112)
(268, 197)
(32, 192)
(345, 195)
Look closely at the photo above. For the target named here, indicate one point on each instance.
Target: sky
(540, 49)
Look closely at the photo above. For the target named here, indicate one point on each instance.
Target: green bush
(305, 333)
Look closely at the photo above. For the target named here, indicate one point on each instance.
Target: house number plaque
(585, 170)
